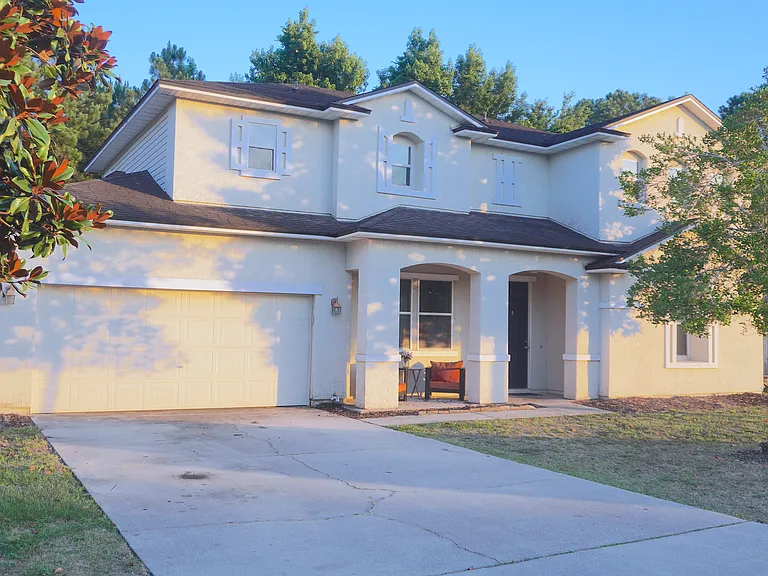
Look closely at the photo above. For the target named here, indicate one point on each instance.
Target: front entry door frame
(529, 280)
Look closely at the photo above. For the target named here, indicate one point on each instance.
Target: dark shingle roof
(481, 227)
(627, 250)
(303, 96)
(524, 135)
(138, 198)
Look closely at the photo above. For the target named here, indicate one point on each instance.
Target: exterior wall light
(335, 307)
(8, 297)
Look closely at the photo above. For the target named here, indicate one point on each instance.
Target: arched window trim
(425, 151)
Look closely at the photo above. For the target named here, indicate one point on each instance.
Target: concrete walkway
(304, 492)
(547, 407)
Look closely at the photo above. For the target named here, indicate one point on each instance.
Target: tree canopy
(479, 91)
(617, 103)
(36, 214)
(422, 60)
(300, 58)
(717, 186)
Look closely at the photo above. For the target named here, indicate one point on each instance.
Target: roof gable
(689, 102)
(417, 88)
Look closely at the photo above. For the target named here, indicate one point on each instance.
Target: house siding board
(149, 152)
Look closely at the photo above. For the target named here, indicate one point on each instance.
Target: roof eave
(423, 92)
(560, 146)
(161, 95)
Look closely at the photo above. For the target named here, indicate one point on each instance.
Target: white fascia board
(329, 113)
(689, 102)
(608, 271)
(346, 238)
(476, 243)
(214, 231)
(475, 135)
(112, 137)
(568, 144)
(425, 94)
(186, 284)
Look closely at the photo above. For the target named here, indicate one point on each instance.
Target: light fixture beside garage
(8, 297)
(335, 307)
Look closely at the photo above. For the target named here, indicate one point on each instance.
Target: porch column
(378, 356)
(582, 338)
(488, 358)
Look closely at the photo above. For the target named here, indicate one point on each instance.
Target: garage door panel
(229, 394)
(120, 349)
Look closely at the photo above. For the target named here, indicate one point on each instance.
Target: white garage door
(122, 349)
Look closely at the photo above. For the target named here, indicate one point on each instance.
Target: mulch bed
(690, 403)
(14, 421)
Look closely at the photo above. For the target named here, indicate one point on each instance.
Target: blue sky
(666, 48)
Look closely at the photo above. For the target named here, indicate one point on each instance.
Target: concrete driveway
(302, 492)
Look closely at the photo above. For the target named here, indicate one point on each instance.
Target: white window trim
(680, 126)
(384, 169)
(504, 182)
(671, 359)
(239, 141)
(416, 313)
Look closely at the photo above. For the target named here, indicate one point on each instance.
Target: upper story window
(507, 173)
(680, 126)
(401, 157)
(406, 165)
(260, 148)
(685, 350)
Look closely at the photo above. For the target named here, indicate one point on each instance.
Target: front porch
(519, 323)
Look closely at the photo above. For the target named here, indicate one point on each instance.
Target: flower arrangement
(405, 357)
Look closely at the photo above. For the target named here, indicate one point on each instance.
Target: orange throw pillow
(446, 371)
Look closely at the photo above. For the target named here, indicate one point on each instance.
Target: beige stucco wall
(356, 192)
(201, 171)
(532, 182)
(573, 184)
(614, 226)
(633, 352)
(145, 259)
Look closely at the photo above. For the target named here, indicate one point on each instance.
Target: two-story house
(278, 244)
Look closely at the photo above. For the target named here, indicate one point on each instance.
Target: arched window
(401, 154)
(631, 162)
(406, 165)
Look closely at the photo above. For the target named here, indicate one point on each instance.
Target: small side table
(416, 373)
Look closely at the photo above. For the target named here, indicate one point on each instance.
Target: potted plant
(405, 358)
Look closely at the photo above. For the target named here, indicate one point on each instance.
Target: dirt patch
(14, 421)
(677, 403)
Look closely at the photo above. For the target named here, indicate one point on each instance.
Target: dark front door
(518, 334)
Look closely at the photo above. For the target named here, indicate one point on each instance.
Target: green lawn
(48, 522)
(709, 458)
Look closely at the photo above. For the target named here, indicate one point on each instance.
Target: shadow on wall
(133, 349)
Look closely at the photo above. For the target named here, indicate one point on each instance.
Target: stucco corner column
(488, 358)
(378, 355)
(582, 339)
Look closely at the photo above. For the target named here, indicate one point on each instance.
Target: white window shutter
(283, 166)
(238, 146)
(384, 174)
(430, 166)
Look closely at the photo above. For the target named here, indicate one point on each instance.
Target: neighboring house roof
(138, 198)
(620, 261)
